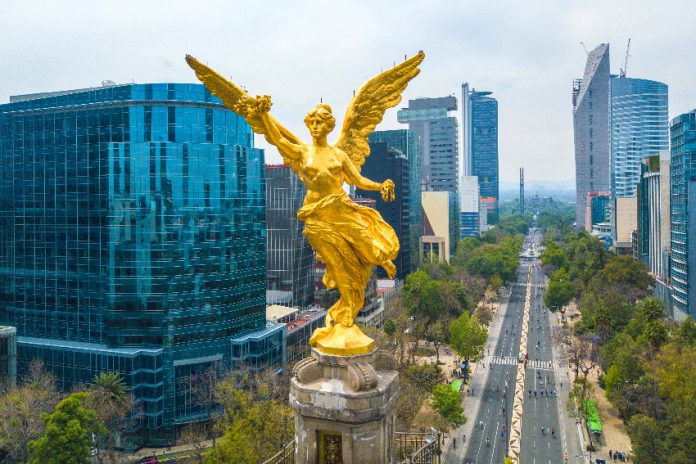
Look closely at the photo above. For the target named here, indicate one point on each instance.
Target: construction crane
(622, 71)
(584, 48)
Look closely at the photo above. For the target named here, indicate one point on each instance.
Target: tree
(448, 404)
(560, 291)
(67, 438)
(496, 282)
(110, 398)
(194, 435)
(21, 409)
(389, 327)
(582, 392)
(424, 376)
(201, 385)
(674, 369)
(647, 440)
(554, 257)
(484, 314)
(468, 337)
(255, 427)
(577, 352)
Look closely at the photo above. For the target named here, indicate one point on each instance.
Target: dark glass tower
(132, 239)
(407, 144)
(289, 257)
(484, 146)
(384, 163)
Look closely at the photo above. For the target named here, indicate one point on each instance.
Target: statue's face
(317, 127)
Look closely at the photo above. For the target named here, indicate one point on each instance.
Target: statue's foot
(341, 340)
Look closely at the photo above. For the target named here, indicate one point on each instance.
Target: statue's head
(320, 121)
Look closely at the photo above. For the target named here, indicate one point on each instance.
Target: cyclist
(488, 441)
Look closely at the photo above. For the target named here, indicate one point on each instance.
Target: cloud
(527, 53)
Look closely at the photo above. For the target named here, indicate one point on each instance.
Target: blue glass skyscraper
(132, 240)
(484, 145)
(639, 125)
(683, 219)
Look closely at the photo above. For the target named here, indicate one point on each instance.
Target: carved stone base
(344, 408)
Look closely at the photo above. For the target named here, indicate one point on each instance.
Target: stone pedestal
(344, 408)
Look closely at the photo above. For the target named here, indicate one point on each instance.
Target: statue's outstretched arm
(355, 178)
(288, 150)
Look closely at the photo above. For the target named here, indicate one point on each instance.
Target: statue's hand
(387, 190)
(251, 107)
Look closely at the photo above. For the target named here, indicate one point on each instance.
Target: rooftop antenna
(584, 48)
(622, 71)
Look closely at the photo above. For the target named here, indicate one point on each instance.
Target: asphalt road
(492, 422)
(541, 407)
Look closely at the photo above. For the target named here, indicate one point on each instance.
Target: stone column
(344, 408)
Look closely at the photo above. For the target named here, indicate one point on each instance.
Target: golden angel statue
(348, 237)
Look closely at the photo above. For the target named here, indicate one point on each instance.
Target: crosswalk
(534, 364)
(531, 364)
(502, 360)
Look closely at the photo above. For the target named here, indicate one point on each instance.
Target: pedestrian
(454, 443)
(542, 430)
(463, 437)
(534, 393)
(609, 454)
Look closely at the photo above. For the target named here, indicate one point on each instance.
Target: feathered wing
(369, 104)
(233, 98)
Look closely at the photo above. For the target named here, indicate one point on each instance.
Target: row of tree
(39, 425)
(649, 360)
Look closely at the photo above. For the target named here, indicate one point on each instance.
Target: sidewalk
(613, 437)
(471, 403)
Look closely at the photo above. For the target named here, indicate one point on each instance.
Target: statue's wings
(232, 96)
(368, 106)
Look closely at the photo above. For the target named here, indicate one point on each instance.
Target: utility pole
(522, 191)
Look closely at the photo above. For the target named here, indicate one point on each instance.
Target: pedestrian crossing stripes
(503, 360)
(534, 364)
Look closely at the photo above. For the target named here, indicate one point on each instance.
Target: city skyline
(527, 55)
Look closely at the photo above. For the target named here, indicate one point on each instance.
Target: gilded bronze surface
(348, 237)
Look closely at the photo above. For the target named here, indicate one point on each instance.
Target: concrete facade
(591, 129)
(626, 222)
(437, 219)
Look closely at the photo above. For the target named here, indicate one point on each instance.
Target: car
(149, 460)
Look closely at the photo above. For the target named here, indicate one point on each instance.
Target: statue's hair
(322, 111)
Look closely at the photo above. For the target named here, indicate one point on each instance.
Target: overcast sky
(525, 52)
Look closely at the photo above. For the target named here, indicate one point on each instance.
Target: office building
(440, 221)
(598, 209)
(469, 207)
(289, 256)
(8, 358)
(408, 143)
(384, 163)
(639, 129)
(132, 240)
(683, 221)
(430, 120)
(480, 142)
(624, 222)
(591, 130)
(648, 241)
